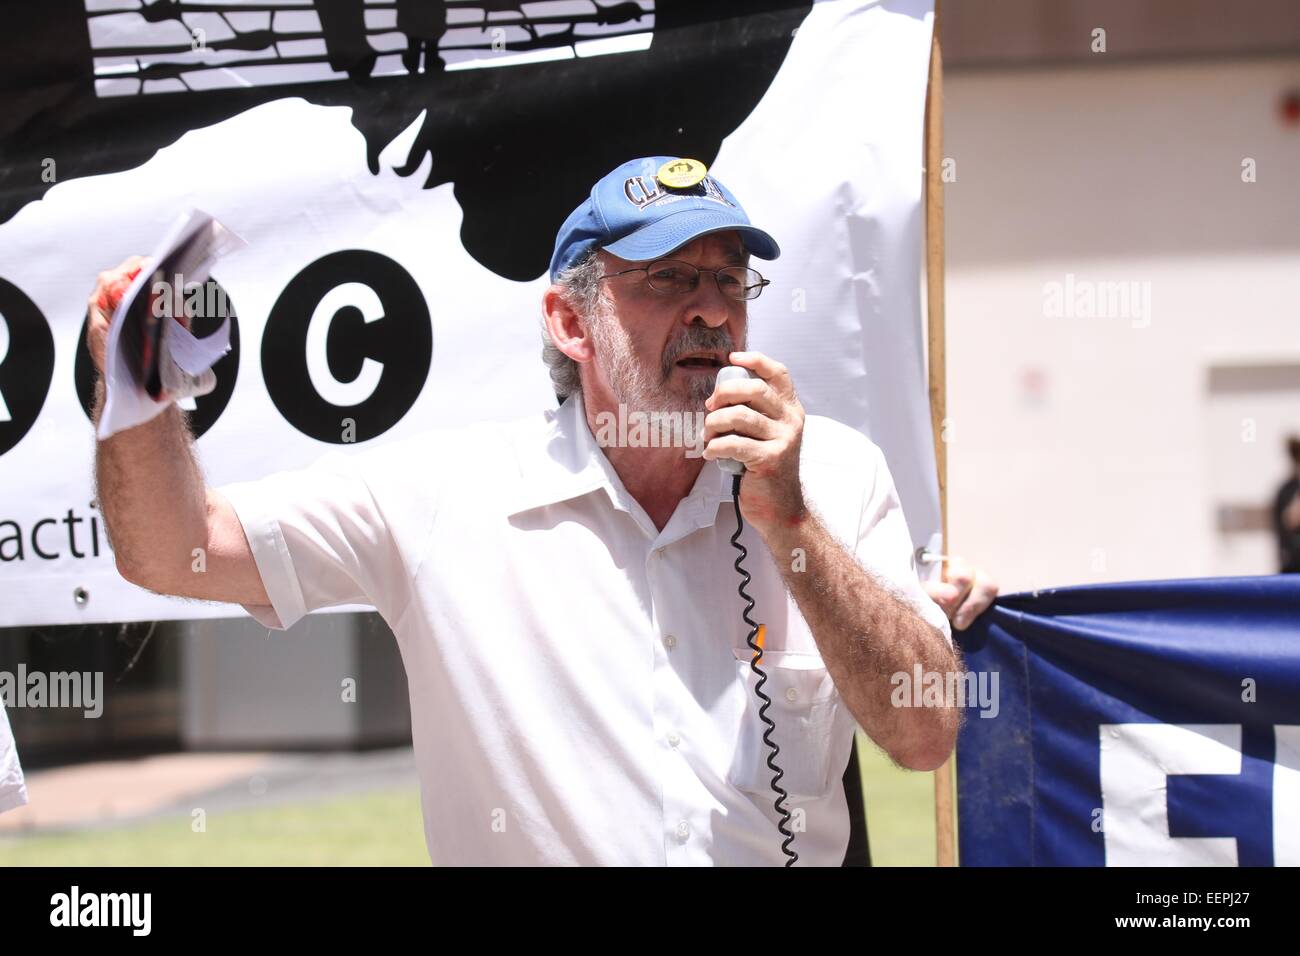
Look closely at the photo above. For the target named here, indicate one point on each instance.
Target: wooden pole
(944, 817)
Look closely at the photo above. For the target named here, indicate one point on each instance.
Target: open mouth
(706, 362)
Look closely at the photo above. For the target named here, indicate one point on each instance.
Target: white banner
(399, 226)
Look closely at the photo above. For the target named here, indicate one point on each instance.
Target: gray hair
(580, 284)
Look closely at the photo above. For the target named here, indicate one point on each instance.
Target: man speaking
(564, 597)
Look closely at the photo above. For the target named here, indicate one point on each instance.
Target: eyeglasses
(676, 277)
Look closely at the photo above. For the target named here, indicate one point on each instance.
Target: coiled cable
(784, 825)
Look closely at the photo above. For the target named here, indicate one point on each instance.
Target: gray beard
(640, 389)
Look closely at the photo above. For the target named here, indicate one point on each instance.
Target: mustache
(697, 339)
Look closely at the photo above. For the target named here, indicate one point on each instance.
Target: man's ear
(565, 327)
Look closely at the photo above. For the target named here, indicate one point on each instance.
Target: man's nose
(706, 303)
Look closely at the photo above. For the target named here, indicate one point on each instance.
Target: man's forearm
(152, 495)
(866, 634)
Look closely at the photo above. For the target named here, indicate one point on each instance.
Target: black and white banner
(399, 170)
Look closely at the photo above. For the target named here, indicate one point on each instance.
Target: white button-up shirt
(579, 680)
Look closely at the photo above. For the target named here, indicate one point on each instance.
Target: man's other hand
(965, 592)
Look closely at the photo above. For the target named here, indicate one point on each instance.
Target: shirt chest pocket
(804, 708)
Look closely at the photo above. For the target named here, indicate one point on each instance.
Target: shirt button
(791, 694)
(674, 740)
(683, 831)
(669, 641)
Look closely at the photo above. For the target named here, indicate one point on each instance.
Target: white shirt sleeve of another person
(13, 790)
(884, 545)
(321, 538)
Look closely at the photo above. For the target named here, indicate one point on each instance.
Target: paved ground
(112, 792)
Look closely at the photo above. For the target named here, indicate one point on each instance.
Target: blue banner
(1147, 724)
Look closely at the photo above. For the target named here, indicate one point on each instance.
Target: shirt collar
(562, 460)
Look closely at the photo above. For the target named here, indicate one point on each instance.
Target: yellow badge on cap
(681, 173)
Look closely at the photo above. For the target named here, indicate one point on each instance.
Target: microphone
(727, 374)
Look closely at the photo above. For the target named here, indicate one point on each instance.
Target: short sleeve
(13, 789)
(884, 544)
(320, 540)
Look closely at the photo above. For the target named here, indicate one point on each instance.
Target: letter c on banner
(348, 340)
(344, 394)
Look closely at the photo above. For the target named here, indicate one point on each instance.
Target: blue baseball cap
(647, 207)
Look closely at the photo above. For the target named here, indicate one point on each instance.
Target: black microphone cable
(784, 825)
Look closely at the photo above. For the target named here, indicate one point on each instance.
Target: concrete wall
(1106, 448)
(245, 686)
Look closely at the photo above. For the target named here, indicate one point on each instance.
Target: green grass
(375, 829)
(384, 828)
(900, 809)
